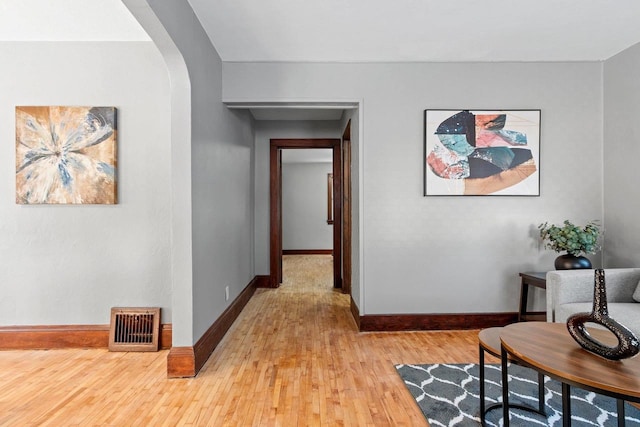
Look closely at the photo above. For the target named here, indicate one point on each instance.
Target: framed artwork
(66, 155)
(481, 152)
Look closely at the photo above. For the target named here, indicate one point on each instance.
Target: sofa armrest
(566, 286)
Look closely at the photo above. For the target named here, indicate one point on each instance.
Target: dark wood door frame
(275, 204)
(346, 209)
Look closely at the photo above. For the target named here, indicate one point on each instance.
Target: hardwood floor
(293, 357)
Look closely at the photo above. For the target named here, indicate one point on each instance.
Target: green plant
(571, 238)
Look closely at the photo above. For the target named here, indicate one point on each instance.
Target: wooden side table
(539, 280)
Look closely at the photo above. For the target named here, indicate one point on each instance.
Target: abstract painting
(488, 152)
(66, 155)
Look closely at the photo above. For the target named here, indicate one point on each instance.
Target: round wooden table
(548, 348)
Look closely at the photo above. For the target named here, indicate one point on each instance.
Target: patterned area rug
(448, 395)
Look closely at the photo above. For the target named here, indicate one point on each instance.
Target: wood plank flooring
(293, 358)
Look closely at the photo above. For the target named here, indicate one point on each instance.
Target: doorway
(275, 204)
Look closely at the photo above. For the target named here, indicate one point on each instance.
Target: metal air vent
(134, 329)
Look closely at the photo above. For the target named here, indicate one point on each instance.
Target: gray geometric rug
(448, 395)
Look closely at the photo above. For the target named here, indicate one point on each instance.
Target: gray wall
(264, 131)
(621, 151)
(304, 206)
(450, 254)
(71, 264)
(221, 150)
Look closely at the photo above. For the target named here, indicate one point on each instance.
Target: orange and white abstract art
(66, 155)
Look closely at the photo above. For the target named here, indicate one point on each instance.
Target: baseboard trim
(262, 281)
(307, 252)
(187, 361)
(181, 362)
(166, 336)
(428, 322)
(48, 337)
(355, 312)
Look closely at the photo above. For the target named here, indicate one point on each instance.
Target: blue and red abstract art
(482, 152)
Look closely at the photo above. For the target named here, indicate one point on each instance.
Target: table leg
(524, 293)
(621, 417)
(566, 405)
(482, 404)
(505, 387)
(541, 393)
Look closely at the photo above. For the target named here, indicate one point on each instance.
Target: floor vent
(134, 329)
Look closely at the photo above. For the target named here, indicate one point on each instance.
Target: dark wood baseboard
(428, 322)
(47, 337)
(263, 281)
(355, 312)
(187, 361)
(307, 252)
(166, 336)
(181, 362)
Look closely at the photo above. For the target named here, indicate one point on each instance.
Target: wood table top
(549, 348)
(540, 275)
(490, 340)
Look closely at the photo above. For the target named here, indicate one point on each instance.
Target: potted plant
(572, 239)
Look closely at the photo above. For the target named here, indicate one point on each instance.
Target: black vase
(628, 345)
(572, 262)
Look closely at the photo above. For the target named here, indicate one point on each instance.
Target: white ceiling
(68, 20)
(419, 30)
(358, 30)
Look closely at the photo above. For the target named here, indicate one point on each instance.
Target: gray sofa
(571, 291)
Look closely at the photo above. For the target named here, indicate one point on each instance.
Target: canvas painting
(66, 155)
(479, 153)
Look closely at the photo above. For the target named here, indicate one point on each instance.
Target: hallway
(293, 357)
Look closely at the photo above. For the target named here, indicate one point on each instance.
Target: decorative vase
(628, 344)
(571, 262)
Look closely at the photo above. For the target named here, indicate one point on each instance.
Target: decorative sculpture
(628, 344)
